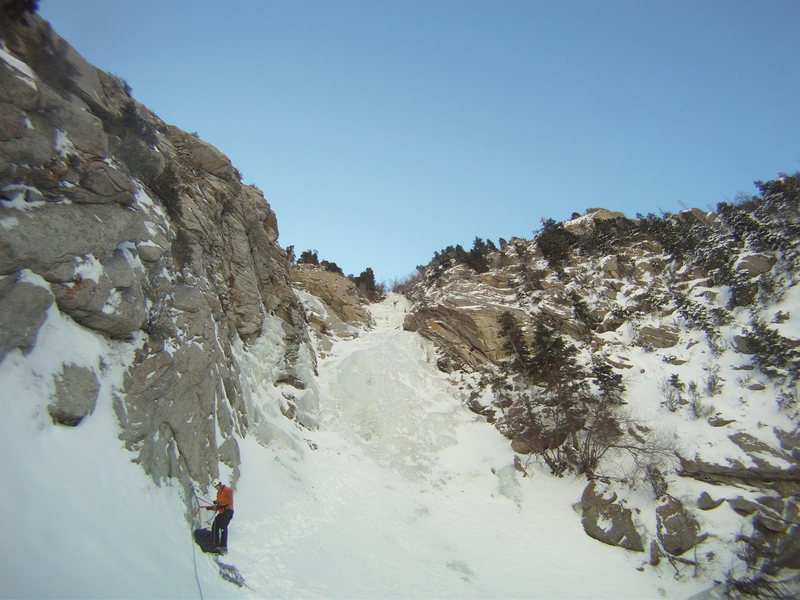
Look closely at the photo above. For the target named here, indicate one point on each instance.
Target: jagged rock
(608, 521)
(537, 441)
(657, 337)
(742, 345)
(610, 322)
(52, 240)
(583, 223)
(655, 554)
(208, 158)
(755, 264)
(743, 506)
(335, 290)
(116, 311)
(76, 390)
(790, 441)
(677, 530)
(735, 472)
(706, 502)
(22, 312)
(101, 183)
(142, 232)
(775, 541)
(471, 337)
(770, 521)
(760, 451)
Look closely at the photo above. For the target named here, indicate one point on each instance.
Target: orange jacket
(224, 499)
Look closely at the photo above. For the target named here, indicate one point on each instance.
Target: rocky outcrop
(142, 234)
(461, 316)
(774, 541)
(770, 468)
(657, 337)
(22, 311)
(677, 530)
(336, 290)
(76, 395)
(605, 519)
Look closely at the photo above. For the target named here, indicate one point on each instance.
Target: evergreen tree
(609, 382)
(308, 257)
(514, 343)
(476, 258)
(331, 267)
(365, 282)
(553, 361)
(556, 243)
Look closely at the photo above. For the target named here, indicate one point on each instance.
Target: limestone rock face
(678, 531)
(657, 337)
(22, 312)
(337, 291)
(607, 520)
(144, 235)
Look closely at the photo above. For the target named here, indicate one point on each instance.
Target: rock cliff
(144, 235)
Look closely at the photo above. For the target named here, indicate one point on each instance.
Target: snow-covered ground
(402, 492)
(408, 494)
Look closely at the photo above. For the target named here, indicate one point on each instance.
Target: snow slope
(81, 520)
(410, 495)
(401, 493)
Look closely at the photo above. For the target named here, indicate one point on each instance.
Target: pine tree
(514, 343)
(553, 361)
(308, 257)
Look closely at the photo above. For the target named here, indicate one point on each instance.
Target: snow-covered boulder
(605, 519)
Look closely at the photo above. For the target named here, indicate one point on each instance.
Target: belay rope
(194, 550)
(208, 502)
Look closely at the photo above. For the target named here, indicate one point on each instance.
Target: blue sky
(383, 131)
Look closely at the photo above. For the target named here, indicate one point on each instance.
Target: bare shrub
(712, 385)
(672, 389)
(405, 285)
(700, 410)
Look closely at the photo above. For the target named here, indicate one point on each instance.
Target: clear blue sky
(382, 131)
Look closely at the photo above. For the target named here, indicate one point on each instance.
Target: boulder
(99, 305)
(742, 345)
(101, 183)
(23, 307)
(606, 520)
(706, 502)
(76, 390)
(736, 473)
(753, 265)
(208, 158)
(657, 337)
(775, 541)
(743, 506)
(677, 530)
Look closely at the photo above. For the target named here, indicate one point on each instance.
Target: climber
(224, 507)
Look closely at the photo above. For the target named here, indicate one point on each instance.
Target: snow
(407, 494)
(401, 492)
(24, 72)
(63, 145)
(82, 520)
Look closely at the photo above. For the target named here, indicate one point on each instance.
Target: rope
(194, 550)
(196, 576)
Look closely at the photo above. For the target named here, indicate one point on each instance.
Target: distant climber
(224, 507)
